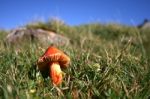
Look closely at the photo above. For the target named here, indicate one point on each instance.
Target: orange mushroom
(51, 63)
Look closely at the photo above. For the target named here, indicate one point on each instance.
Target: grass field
(107, 61)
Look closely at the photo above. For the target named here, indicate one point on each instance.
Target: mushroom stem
(55, 73)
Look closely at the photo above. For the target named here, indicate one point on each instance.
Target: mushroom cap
(51, 55)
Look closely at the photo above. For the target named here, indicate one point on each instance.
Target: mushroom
(51, 62)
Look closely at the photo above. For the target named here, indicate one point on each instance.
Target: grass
(107, 61)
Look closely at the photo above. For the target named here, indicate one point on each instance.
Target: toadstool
(51, 62)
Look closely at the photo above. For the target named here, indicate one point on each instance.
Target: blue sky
(14, 13)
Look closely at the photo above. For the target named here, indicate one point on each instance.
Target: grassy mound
(107, 61)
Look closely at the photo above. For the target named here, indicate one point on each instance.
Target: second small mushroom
(51, 62)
